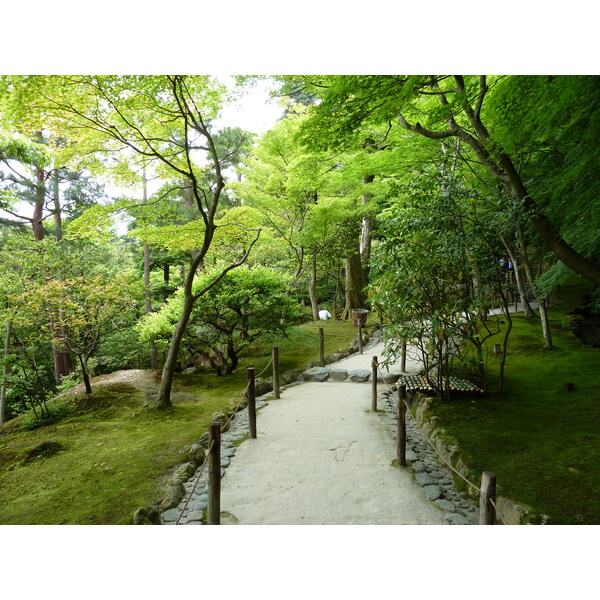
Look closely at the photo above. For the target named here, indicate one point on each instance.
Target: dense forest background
(400, 194)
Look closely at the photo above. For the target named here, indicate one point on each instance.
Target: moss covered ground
(102, 456)
(541, 441)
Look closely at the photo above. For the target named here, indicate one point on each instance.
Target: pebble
(424, 479)
(456, 519)
(429, 472)
(445, 505)
(433, 492)
(417, 466)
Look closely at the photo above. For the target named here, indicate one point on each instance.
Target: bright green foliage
(246, 304)
(77, 312)
(424, 279)
(552, 123)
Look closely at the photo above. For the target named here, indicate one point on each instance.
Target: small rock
(195, 515)
(457, 519)
(171, 514)
(433, 492)
(359, 375)
(147, 515)
(417, 466)
(424, 479)
(436, 475)
(172, 496)
(410, 455)
(446, 505)
(316, 374)
(338, 374)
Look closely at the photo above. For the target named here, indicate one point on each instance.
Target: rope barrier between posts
(475, 487)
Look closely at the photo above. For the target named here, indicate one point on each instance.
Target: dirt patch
(147, 381)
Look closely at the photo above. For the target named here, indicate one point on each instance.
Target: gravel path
(321, 456)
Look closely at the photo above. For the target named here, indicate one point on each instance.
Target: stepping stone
(316, 374)
(359, 375)
(338, 374)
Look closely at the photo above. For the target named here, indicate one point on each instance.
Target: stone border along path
(456, 507)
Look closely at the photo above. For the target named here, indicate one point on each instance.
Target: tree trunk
(164, 395)
(366, 234)
(38, 209)
(536, 291)
(337, 293)
(233, 361)
(563, 251)
(354, 284)
(312, 287)
(5, 373)
(86, 377)
(528, 311)
(57, 209)
(502, 169)
(148, 297)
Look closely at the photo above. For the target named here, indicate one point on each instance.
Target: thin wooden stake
(487, 494)
(251, 402)
(374, 384)
(403, 361)
(360, 344)
(276, 388)
(321, 347)
(214, 474)
(401, 453)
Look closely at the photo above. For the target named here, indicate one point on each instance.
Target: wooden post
(321, 347)
(401, 453)
(516, 303)
(214, 474)
(374, 384)
(403, 361)
(360, 346)
(497, 349)
(487, 493)
(251, 403)
(276, 390)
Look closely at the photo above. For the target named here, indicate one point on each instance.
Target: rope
(298, 350)
(436, 450)
(498, 512)
(197, 480)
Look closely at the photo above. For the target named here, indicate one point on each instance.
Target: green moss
(117, 450)
(542, 443)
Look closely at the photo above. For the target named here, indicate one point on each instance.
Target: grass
(102, 456)
(542, 442)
